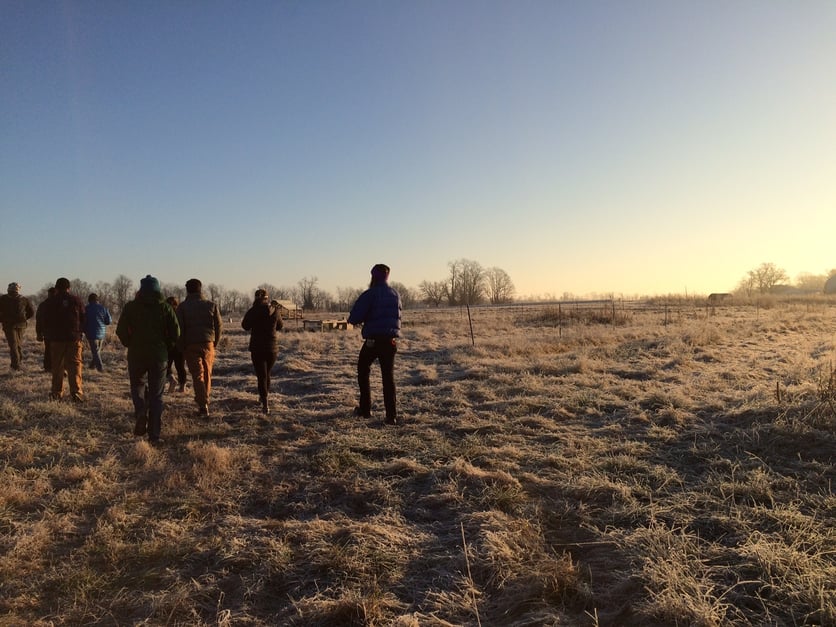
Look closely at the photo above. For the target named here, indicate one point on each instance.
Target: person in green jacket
(148, 328)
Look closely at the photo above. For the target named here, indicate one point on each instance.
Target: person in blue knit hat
(148, 328)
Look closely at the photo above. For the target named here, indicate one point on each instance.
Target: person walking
(148, 327)
(40, 326)
(200, 331)
(15, 310)
(263, 320)
(175, 358)
(378, 310)
(63, 326)
(96, 320)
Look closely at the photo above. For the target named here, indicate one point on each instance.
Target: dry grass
(672, 468)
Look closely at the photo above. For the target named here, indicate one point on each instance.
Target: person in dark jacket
(40, 329)
(15, 310)
(200, 331)
(63, 326)
(148, 328)
(96, 319)
(176, 359)
(378, 309)
(263, 320)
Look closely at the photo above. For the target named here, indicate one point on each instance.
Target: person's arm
(218, 324)
(123, 327)
(172, 331)
(360, 310)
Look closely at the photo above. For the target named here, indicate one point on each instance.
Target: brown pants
(66, 356)
(200, 358)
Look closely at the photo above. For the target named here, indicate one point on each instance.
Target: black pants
(47, 357)
(383, 350)
(262, 363)
(176, 357)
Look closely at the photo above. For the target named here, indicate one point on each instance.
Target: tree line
(767, 278)
(468, 283)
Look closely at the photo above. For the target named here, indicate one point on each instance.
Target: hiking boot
(171, 384)
(141, 426)
(391, 421)
(78, 398)
(362, 414)
(265, 408)
(182, 388)
(203, 411)
(155, 442)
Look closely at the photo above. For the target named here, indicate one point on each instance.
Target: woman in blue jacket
(378, 309)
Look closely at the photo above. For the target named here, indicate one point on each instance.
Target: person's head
(193, 286)
(62, 285)
(93, 298)
(380, 274)
(149, 285)
(172, 300)
(261, 296)
(14, 288)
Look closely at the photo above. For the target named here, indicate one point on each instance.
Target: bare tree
(346, 297)
(104, 291)
(174, 289)
(811, 282)
(766, 276)
(308, 292)
(234, 300)
(466, 283)
(215, 293)
(407, 295)
(433, 292)
(123, 290)
(499, 287)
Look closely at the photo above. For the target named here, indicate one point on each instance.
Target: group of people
(161, 332)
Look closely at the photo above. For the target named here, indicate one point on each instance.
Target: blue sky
(635, 147)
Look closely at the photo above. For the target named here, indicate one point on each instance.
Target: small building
(289, 309)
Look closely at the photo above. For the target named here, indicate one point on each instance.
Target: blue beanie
(149, 284)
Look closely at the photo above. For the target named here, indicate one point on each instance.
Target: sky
(632, 147)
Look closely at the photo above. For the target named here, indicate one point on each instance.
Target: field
(673, 466)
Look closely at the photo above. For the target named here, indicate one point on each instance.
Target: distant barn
(289, 309)
(830, 285)
(717, 297)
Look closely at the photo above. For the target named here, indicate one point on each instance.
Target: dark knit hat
(62, 284)
(193, 286)
(380, 272)
(149, 284)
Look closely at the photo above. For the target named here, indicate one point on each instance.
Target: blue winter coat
(96, 319)
(378, 309)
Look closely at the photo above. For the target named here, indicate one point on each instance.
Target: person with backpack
(148, 328)
(15, 310)
(96, 319)
(378, 309)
